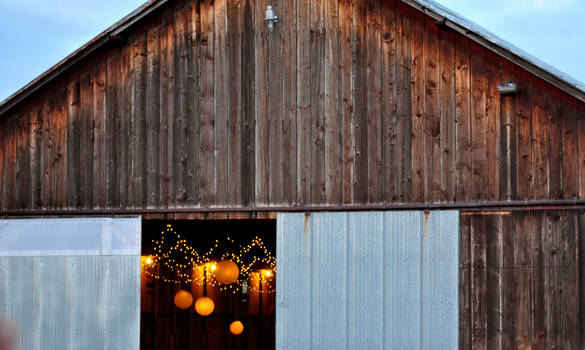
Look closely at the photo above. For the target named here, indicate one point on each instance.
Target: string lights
(175, 261)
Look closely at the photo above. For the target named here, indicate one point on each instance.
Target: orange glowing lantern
(183, 299)
(236, 328)
(204, 306)
(227, 272)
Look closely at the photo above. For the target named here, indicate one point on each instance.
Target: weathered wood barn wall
(345, 102)
(355, 103)
(522, 280)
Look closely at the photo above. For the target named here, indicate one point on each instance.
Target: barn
(383, 174)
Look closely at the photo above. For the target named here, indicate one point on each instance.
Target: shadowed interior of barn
(164, 326)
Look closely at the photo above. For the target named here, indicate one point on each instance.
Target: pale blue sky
(36, 34)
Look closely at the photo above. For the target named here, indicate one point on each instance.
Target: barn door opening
(71, 283)
(367, 280)
(208, 284)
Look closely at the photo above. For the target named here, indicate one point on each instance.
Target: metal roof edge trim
(79, 54)
(428, 7)
(500, 46)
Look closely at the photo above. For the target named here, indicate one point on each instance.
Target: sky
(36, 34)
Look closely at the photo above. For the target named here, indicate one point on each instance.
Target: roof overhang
(104, 38)
(500, 46)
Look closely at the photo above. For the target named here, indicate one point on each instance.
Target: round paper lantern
(227, 272)
(204, 306)
(236, 328)
(183, 299)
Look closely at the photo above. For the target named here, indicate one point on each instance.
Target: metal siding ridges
(74, 302)
(440, 280)
(402, 247)
(367, 280)
(293, 285)
(365, 271)
(328, 271)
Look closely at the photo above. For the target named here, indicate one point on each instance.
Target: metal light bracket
(508, 88)
(270, 18)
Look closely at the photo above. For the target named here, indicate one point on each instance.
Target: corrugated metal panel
(440, 280)
(365, 266)
(293, 284)
(73, 302)
(329, 293)
(402, 303)
(367, 280)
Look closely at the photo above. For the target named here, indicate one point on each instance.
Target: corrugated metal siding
(86, 301)
(367, 280)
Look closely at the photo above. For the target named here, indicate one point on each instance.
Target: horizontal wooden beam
(464, 206)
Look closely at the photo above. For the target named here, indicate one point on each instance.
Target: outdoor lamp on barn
(270, 18)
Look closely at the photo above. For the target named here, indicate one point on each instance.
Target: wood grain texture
(523, 137)
(153, 126)
(581, 142)
(262, 145)
(417, 106)
(345, 102)
(73, 149)
(389, 102)
(492, 75)
(220, 101)
(519, 283)
(98, 137)
(112, 131)
(332, 111)
(125, 110)
(207, 113)
(181, 103)
(234, 37)
(555, 142)
(247, 90)
(374, 105)
(275, 111)
(4, 154)
(570, 153)
(36, 138)
(479, 123)
(10, 193)
(317, 93)
(432, 125)
(289, 95)
(463, 120)
(540, 145)
(447, 106)
(403, 166)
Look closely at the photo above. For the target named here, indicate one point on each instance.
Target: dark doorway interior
(178, 256)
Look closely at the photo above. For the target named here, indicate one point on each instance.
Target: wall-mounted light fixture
(270, 18)
(508, 88)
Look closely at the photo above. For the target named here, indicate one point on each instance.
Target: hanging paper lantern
(183, 299)
(227, 272)
(236, 328)
(204, 306)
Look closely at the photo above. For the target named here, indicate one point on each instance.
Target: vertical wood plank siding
(521, 280)
(346, 101)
